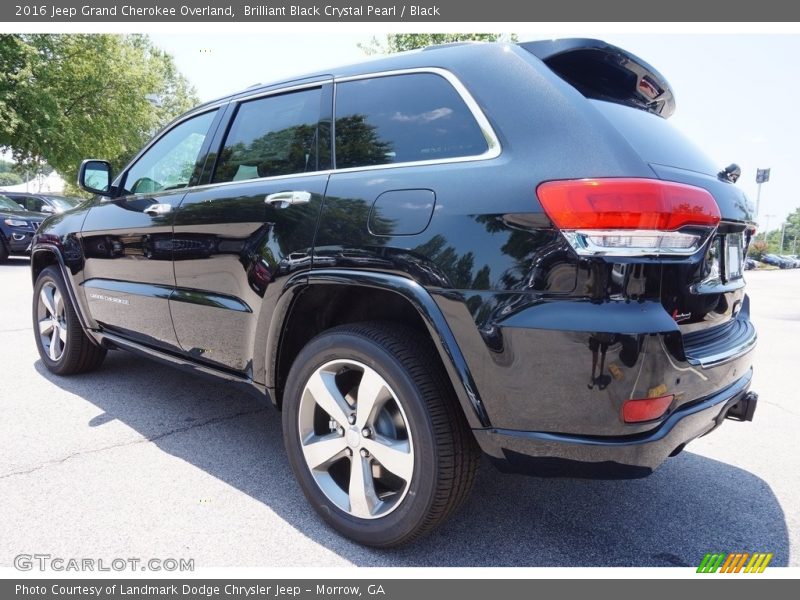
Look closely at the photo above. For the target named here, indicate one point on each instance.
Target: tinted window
(64, 202)
(34, 204)
(21, 200)
(170, 162)
(7, 203)
(403, 118)
(271, 136)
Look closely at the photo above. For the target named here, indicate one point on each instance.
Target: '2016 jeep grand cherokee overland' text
(490, 247)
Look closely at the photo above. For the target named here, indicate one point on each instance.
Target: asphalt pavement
(137, 459)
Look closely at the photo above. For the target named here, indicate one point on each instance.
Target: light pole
(766, 229)
(783, 233)
(762, 176)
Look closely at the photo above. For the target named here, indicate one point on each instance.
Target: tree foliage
(10, 178)
(400, 42)
(769, 242)
(67, 97)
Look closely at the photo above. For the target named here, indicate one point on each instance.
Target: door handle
(284, 199)
(157, 209)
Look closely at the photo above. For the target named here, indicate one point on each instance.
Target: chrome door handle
(284, 199)
(157, 209)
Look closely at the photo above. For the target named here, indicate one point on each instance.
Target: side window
(21, 200)
(35, 204)
(170, 162)
(275, 135)
(403, 118)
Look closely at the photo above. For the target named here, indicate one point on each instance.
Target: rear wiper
(730, 173)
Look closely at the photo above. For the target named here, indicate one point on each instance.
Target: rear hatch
(703, 293)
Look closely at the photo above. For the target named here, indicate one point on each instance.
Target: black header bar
(460, 11)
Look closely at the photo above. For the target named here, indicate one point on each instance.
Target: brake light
(630, 216)
(645, 409)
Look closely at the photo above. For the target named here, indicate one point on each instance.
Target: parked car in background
(17, 227)
(790, 260)
(44, 203)
(750, 264)
(504, 247)
(777, 261)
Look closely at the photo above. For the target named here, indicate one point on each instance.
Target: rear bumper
(617, 457)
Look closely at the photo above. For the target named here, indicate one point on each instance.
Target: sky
(735, 92)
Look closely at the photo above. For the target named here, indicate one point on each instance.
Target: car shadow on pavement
(16, 261)
(690, 506)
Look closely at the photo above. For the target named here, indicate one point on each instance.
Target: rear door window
(403, 118)
(271, 136)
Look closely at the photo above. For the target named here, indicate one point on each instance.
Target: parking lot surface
(137, 459)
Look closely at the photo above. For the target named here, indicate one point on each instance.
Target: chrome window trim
(283, 90)
(494, 148)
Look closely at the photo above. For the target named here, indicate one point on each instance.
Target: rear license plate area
(732, 256)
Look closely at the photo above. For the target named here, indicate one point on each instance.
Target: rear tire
(400, 458)
(63, 346)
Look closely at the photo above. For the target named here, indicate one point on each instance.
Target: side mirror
(46, 208)
(94, 176)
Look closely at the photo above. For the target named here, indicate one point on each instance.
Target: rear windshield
(654, 139)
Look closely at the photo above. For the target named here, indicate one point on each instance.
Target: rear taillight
(645, 409)
(630, 217)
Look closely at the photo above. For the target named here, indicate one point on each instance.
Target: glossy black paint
(536, 340)
(560, 455)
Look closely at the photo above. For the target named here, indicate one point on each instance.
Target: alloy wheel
(52, 321)
(356, 439)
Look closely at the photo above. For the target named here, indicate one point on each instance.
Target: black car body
(526, 211)
(44, 203)
(17, 227)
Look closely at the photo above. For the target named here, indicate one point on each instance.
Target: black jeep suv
(492, 247)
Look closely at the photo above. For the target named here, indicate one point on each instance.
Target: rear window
(655, 139)
(403, 118)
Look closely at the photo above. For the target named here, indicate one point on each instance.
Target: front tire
(63, 346)
(374, 434)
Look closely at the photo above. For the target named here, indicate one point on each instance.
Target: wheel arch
(332, 297)
(46, 255)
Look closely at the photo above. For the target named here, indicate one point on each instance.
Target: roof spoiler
(605, 72)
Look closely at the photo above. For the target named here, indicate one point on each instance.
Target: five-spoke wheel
(63, 346)
(374, 433)
(356, 439)
(51, 316)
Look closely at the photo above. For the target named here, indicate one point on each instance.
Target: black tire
(79, 354)
(445, 456)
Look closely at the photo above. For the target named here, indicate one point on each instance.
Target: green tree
(67, 97)
(769, 242)
(400, 42)
(791, 233)
(10, 178)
